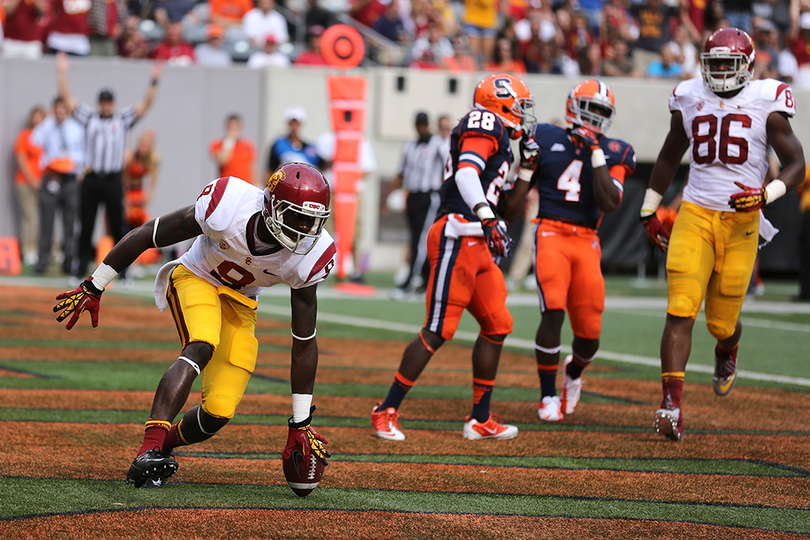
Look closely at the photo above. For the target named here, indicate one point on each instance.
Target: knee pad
(721, 330)
(681, 306)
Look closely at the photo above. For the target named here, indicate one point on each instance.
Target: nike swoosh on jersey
(749, 233)
(269, 273)
(472, 243)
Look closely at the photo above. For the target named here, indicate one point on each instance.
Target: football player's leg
(724, 300)
(488, 306)
(552, 269)
(196, 309)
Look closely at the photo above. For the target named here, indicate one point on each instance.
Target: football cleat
(725, 372)
(667, 422)
(151, 465)
(386, 424)
(493, 428)
(550, 409)
(571, 389)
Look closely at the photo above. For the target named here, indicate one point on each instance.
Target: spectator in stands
(766, 40)
(592, 10)
(799, 45)
(140, 164)
(617, 62)
(26, 184)
(270, 56)
(654, 19)
(291, 147)
(431, 51)
(131, 42)
(390, 24)
(462, 60)
(211, 52)
(480, 22)
(106, 19)
(504, 60)
(312, 55)
(590, 60)
(577, 35)
(263, 21)
(540, 21)
(62, 141)
(686, 54)
(616, 23)
(444, 128)
(69, 27)
(233, 153)
(366, 11)
(317, 15)
(667, 67)
(173, 49)
(738, 13)
(172, 11)
(23, 28)
(228, 13)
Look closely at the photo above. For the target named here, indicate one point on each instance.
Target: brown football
(302, 476)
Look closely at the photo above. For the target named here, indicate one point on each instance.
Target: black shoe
(151, 465)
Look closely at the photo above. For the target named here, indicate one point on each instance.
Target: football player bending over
(245, 239)
(579, 174)
(460, 246)
(729, 121)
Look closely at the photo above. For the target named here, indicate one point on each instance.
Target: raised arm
(62, 66)
(154, 74)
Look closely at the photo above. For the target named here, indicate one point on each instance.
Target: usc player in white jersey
(729, 121)
(246, 239)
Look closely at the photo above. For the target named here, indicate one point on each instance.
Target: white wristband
(525, 174)
(485, 212)
(103, 275)
(598, 158)
(300, 405)
(775, 189)
(651, 201)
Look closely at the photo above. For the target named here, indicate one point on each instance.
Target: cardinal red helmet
(591, 104)
(296, 205)
(509, 98)
(727, 60)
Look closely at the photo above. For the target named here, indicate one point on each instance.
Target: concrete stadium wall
(192, 102)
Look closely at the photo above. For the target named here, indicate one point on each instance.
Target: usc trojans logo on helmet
(509, 98)
(591, 104)
(727, 60)
(296, 205)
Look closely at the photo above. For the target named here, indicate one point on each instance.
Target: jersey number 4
(705, 145)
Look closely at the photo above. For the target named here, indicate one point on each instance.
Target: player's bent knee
(498, 323)
(681, 306)
(721, 330)
(221, 405)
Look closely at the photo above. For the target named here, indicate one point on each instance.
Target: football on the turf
(303, 476)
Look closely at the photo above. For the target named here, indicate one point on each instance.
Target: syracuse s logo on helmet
(277, 177)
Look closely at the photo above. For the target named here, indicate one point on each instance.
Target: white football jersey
(728, 139)
(226, 253)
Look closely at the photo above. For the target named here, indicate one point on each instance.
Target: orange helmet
(509, 98)
(591, 104)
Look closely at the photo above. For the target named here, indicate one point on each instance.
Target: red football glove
(586, 137)
(656, 231)
(498, 240)
(301, 435)
(529, 152)
(749, 200)
(85, 297)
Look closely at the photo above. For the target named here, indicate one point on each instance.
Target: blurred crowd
(650, 38)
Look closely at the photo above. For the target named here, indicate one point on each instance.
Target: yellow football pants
(711, 254)
(224, 319)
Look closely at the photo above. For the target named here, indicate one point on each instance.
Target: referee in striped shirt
(421, 175)
(106, 134)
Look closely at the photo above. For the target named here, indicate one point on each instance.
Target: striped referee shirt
(105, 138)
(423, 164)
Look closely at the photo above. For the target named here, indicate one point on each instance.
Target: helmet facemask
(296, 227)
(724, 70)
(593, 113)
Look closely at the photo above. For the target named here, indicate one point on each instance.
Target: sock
(548, 379)
(723, 354)
(174, 438)
(672, 385)
(482, 394)
(399, 388)
(154, 434)
(576, 367)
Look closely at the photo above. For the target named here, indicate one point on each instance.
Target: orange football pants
(567, 266)
(463, 276)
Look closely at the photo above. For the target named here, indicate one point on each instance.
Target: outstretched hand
(85, 297)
